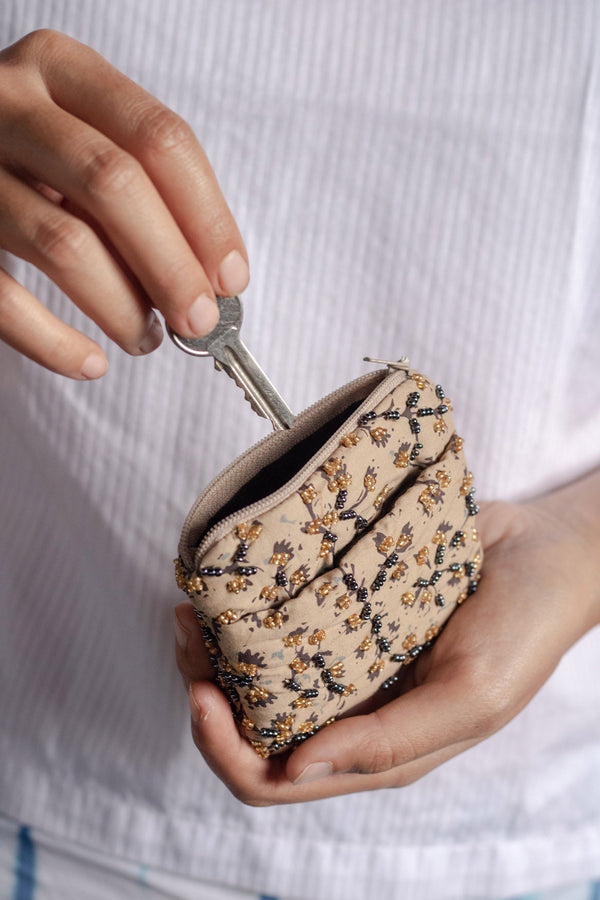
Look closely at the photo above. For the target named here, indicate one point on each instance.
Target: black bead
(384, 645)
(327, 676)
(341, 498)
(413, 399)
(415, 426)
(368, 417)
(330, 536)
(472, 587)
(241, 551)
(440, 600)
(348, 514)
(439, 555)
(292, 685)
(398, 657)
(310, 693)
(350, 581)
(268, 732)
(389, 682)
(246, 570)
(469, 569)
(415, 651)
(439, 391)
(392, 414)
(360, 523)
(281, 579)
(365, 612)
(443, 408)
(421, 582)
(376, 624)
(209, 571)
(362, 594)
(319, 660)
(426, 411)
(455, 567)
(435, 577)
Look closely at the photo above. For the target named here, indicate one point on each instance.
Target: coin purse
(330, 555)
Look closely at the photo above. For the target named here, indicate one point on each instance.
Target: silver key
(229, 353)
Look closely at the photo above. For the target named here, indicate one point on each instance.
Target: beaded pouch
(327, 557)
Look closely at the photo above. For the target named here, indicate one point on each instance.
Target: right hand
(108, 192)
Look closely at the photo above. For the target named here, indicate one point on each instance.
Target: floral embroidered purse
(328, 556)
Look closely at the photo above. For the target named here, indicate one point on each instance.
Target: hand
(108, 192)
(540, 592)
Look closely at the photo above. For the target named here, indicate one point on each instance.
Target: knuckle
(61, 239)
(490, 704)
(161, 131)
(108, 171)
(376, 752)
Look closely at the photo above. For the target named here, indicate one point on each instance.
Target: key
(230, 354)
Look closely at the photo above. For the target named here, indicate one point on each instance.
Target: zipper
(267, 450)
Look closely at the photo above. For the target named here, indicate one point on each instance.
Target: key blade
(261, 394)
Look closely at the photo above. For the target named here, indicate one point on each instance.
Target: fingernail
(153, 337)
(94, 366)
(203, 315)
(233, 274)
(181, 634)
(314, 771)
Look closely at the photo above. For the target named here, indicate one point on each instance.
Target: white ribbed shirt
(412, 177)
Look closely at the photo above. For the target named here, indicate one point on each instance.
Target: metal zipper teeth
(255, 509)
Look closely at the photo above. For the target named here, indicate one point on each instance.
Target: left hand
(540, 592)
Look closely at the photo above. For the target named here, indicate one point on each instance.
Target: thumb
(190, 652)
(428, 719)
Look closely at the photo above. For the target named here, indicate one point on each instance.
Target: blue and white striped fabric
(35, 866)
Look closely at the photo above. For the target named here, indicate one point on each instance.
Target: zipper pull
(403, 363)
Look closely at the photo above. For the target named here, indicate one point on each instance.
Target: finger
(32, 330)
(113, 188)
(68, 251)
(264, 782)
(191, 654)
(97, 93)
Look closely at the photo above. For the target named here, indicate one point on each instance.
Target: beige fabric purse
(330, 555)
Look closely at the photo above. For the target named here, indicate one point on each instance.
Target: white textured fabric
(410, 177)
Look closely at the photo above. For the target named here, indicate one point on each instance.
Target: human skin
(109, 193)
(540, 593)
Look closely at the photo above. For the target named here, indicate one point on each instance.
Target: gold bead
(408, 598)
(298, 666)
(298, 577)
(354, 620)
(381, 496)
(280, 559)
(422, 556)
(386, 544)
(227, 617)
(269, 593)
(332, 466)
(325, 548)
(365, 644)
(313, 527)
(308, 494)
(376, 666)
(343, 602)
(402, 459)
(274, 620)
(317, 637)
(370, 482)
(326, 588)
(378, 434)
(409, 641)
(237, 584)
(352, 439)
